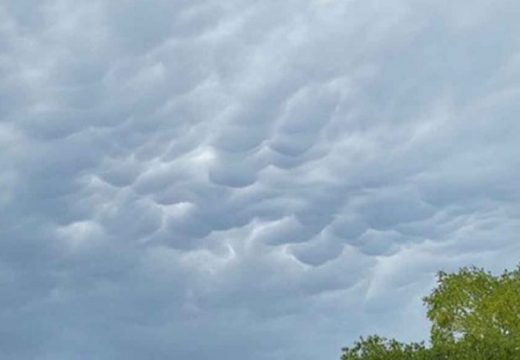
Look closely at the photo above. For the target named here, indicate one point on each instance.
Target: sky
(237, 179)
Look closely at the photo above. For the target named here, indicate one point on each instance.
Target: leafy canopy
(474, 314)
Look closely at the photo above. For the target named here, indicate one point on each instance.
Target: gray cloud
(191, 179)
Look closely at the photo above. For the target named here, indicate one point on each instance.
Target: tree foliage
(474, 314)
(379, 348)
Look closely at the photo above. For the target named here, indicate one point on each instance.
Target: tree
(474, 314)
(477, 312)
(379, 348)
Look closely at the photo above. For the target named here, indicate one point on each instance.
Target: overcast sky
(248, 180)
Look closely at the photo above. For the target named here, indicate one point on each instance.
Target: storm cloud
(248, 180)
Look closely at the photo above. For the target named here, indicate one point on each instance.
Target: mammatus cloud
(260, 180)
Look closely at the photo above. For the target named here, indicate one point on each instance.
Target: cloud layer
(248, 180)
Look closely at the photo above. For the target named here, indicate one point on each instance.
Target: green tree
(379, 348)
(474, 314)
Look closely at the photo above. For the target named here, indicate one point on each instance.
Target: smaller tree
(379, 348)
